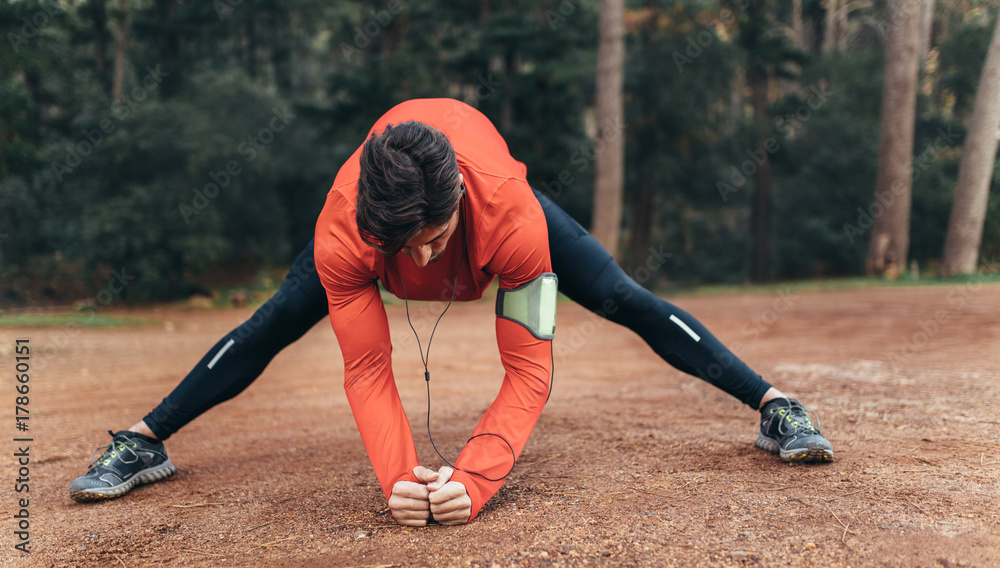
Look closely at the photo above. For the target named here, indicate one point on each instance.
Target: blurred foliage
(235, 117)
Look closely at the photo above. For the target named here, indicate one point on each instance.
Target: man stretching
(433, 207)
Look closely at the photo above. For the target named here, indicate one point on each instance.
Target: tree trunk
(169, 44)
(890, 238)
(251, 48)
(484, 12)
(33, 83)
(737, 86)
(121, 42)
(610, 158)
(798, 36)
(99, 15)
(761, 213)
(968, 214)
(927, 30)
(281, 50)
(830, 31)
(641, 224)
(944, 21)
(507, 95)
(842, 11)
(647, 139)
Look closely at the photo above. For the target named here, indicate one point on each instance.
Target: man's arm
(512, 416)
(362, 330)
(519, 254)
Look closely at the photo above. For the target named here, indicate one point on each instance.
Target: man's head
(408, 191)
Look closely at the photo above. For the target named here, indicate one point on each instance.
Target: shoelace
(795, 418)
(109, 452)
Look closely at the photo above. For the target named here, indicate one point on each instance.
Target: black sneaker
(130, 459)
(787, 430)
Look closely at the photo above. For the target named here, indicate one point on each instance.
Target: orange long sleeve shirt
(502, 234)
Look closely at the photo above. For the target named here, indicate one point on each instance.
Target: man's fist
(449, 501)
(412, 504)
(409, 502)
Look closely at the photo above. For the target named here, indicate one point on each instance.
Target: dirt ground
(631, 464)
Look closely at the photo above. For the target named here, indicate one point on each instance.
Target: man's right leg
(590, 276)
(137, 456)
(242, 354)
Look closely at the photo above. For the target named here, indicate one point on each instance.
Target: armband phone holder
(533, 305)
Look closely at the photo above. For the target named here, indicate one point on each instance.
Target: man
(434, 207)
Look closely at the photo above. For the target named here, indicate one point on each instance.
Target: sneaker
(130, 459)
(787, 430)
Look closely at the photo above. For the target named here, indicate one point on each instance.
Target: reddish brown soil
(632, 462)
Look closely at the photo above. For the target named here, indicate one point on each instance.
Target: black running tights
(587, 274)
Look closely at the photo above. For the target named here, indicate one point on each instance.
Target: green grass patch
(854, 283)
(78, 319)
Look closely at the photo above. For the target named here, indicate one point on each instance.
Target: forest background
(176, 146)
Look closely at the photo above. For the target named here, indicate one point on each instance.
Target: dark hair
(408, 180)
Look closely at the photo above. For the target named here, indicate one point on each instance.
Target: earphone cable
(427, 374)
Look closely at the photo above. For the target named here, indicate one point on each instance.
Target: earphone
(425, 358)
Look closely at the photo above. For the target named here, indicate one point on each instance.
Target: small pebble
(810, 546)
(362, 534)
(739, 555)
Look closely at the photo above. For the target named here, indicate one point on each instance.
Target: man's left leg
(137, 456)
(589, 276)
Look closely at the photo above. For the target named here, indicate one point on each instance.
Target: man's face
(428, 245)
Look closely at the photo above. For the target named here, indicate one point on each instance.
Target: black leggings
(587, 274)
(242, 354)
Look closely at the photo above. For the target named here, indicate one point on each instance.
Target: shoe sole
(802, 455)
(146, 476)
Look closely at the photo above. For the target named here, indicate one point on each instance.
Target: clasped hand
(435, 496)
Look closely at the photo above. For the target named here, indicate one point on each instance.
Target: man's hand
(412, 504)
(409, 502)
(449, 501)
